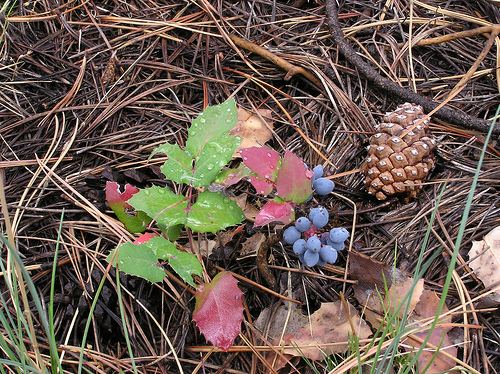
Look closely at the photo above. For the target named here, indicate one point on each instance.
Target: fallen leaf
(273, 325)
(249, 210)
(281, 322)
(329, 324)
(219, 310)
(373, 278)
(251, 245)
(397, 293)
(485, 255)
(205, 246)
(427, 308)
(251, 129)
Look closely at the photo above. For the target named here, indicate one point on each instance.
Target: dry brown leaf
(427, 308)
(251, 245)
(251, 129)
(373, 278)
(249, 210)
(486, 261)
(283, 322)
(397, 292)
(205, 246)
(293, 318)
(329, 324)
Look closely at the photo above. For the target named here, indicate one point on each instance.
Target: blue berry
(321, 219)
(313, 244)
(299, 247)
(339, 235)
(311, 258)
(317, 172)
(328, 254)
(337, 246)
(291, 235)
(303, 224)
(321, 262)
(323, 186)
(324, 237)
(315, 211)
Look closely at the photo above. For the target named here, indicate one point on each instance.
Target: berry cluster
(314, 250)
(321, 185)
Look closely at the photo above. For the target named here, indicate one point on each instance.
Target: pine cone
(400, 154)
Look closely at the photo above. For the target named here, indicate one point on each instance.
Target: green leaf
(183, 263)
(178, 167)
(173, 232)
(212, 159)
(213, 212)
(209, 143)
(138, 260)
(161, 204)
(142, 260)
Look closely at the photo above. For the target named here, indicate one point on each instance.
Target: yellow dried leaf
(251, 129)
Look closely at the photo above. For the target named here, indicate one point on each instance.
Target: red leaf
(292, 183)
(219, 310)
(262, 161)
(144, 238)
(263, 186)
(117, 199)
(118, 203)
(275, 211)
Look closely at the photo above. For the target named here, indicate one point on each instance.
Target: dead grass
(89, 89)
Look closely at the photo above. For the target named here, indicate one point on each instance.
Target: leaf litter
(89, 133)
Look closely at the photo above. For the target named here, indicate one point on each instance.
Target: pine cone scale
(400, 153)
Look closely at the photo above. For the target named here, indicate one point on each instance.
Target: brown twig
(446, 114)
(291, 69)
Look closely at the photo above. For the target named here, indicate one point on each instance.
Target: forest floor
(90, 88)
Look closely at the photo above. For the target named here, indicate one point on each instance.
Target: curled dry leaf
(249, 210)
(250, 246)
(205, 246)
(485, 256)
(252, 130)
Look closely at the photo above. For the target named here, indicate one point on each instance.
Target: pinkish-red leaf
(262, 186)
(118, 203)
(219, 310)
(262, 161)
(144, 238)
(275, 211)
(292, 183)
(117, 198)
